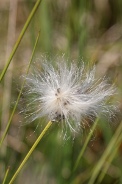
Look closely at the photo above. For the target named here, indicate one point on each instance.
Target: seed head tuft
(67, 94)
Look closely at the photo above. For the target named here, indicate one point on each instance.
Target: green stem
(10, 119)
(20, 38)
(30, 152)
(106, 154)
(6, 174)
(109, 160)
(85, 144)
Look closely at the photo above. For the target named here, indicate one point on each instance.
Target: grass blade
(20, 38)
(109, 159)
(106, 154)
(10, 119)
(5, 177)
(30, 152)
(85, 144)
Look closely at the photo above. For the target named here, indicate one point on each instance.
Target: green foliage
(82, 30)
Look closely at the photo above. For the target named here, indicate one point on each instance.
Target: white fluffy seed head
(67, 94)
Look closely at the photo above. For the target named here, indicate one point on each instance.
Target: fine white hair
(66, 94)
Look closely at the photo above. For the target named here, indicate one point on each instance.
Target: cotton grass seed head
(67, 94)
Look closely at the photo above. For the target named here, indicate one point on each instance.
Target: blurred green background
(88, 30)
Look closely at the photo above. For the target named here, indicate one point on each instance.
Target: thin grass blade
(20, 38)
(6, 174)
(110, 159)
(85, 144)
(106, 154)
(10, 119)
(30, 152)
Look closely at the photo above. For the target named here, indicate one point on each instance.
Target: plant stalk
(30, 152)
(15, 106)
(20, 38)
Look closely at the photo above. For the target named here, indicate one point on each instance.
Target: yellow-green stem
(109, 160)
(20, 38)
(30, 152)
(10, 119)
(105, 155)
(6, 174)
(85, 144)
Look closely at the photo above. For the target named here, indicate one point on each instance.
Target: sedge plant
(64, 94)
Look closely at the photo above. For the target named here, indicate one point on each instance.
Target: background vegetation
(88, 30)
